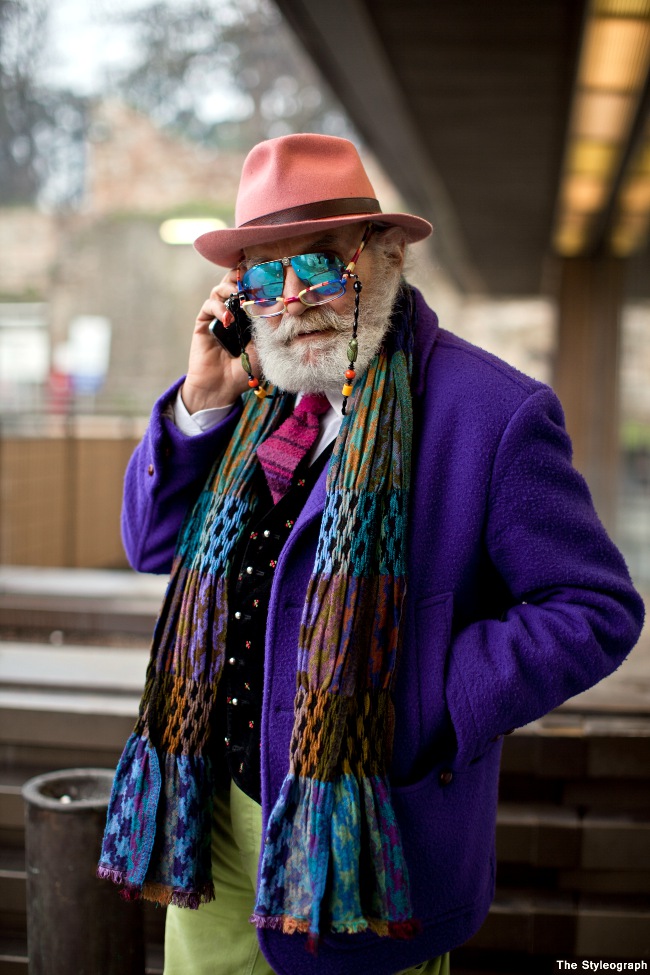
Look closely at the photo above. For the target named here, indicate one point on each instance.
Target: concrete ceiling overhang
(466, 105)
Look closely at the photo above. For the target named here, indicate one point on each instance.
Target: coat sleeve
(164, 477)
(575, 614)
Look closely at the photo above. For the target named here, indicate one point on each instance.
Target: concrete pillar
(587, 371)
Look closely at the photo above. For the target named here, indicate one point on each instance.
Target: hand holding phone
(236, 336)
(214, 375)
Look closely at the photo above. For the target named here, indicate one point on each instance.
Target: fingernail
(227, 319)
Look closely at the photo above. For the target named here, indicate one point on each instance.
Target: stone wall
(29, 243)
(134, 167)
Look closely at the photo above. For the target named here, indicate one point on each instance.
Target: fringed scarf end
(158, 893)
(131, 894)
(192, 899)
(280, 922)
(404, 930)
(105, 873)
(286, 924)
(128, 892)
(399, 930)
(351, 927)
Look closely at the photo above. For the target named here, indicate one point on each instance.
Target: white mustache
(314, 320)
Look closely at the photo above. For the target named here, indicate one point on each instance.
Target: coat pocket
(447, 823)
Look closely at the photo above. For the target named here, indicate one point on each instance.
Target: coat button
(235, 702)
(238, 615)
(232, 661)
(267, 533)
(445, 776)
(150, 470)
(249, 570)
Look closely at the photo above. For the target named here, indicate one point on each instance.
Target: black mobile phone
(236, 337)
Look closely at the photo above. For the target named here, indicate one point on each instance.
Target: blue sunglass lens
(319, 269)
(265, 281)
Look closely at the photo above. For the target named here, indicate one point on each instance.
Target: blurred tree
(20, 111)
(41, 129)
(226, 73)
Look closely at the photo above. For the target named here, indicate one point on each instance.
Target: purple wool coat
(517, 600)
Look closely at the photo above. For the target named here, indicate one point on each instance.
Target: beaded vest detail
(239, 704)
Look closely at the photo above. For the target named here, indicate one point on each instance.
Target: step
(69, 697)
(64, 600)
(13, 958)
(13, 881)
(567, 926)
(63, 617)
(38, 666)
(103, 584)
(12, 813)
(53, 729)
(562, 838)
(568, 745)
(607, 795)
(66, 719)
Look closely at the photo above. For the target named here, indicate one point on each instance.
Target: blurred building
(107, 258)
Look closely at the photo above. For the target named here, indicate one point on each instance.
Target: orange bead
(347, 389)
(350, 374)
(253, 383)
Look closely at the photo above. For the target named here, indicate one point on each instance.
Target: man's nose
(292, 288)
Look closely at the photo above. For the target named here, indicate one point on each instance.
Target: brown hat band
(346, 206)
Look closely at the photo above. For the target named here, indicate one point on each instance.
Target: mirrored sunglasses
(323, 273)
(263, 284)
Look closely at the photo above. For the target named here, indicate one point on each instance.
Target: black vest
(239, 700)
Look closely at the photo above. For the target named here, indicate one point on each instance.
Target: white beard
(314, 365)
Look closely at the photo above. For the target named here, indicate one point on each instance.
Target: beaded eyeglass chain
(353, 348)
(261, 389)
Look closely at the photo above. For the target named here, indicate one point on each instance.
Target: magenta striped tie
(281, 453)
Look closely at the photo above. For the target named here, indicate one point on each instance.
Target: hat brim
(226, 247)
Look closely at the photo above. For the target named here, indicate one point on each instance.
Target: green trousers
(218, 938)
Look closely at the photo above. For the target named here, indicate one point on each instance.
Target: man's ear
(393, 244)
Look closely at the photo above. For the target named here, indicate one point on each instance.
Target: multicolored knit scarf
(333, 857)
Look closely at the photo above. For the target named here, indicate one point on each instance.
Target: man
(347, 634)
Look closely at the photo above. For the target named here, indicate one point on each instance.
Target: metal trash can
(76, 923)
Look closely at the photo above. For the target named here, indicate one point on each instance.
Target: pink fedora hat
(299, 184)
